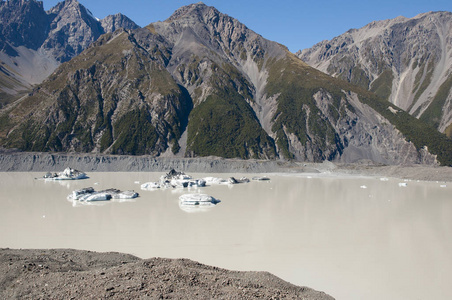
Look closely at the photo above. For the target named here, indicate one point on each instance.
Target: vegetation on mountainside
(423, 77)
(356, 76)
(296, 84)
(62, 129)
(297, 112)
(134, 133)
(103, 100)
(382, 86)
(414, 130)
(432, 115)
(224, 124)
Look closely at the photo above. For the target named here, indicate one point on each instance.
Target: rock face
(200, 84)
(33, 42)
(406, 61)
(23, 23)
(23, 26)
(73, 28)
(45, 162)
(112, 23)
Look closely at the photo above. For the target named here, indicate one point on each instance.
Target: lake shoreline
(55, 162)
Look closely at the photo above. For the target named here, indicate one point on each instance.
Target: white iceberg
(149, 186)
(89, 194)
(67, 174)
(197, 200)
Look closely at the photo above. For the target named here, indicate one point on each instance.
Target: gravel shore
(48, 162)
(76, 274)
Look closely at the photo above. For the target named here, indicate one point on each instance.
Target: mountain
(23, 26)
(406, 61)
(200, 84)
(33, 42)
(112, 23)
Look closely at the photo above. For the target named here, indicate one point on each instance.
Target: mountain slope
(33, 42)
(99, 93)
(201, 83)
(22, 31)
(406, 61)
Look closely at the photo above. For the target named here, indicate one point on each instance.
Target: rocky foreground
(76, 274)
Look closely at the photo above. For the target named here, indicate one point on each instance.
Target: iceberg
(67, 174)
(260, 178)
(175, 179)
(197, 200)
(89, 194)
(149, 186)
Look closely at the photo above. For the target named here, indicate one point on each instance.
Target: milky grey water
(354, 238)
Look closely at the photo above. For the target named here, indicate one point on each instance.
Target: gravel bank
(76, 274)
(48, 162)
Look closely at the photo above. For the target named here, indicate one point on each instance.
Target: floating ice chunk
(150, 186)
(89, 194)
(67, 174)
(214, 180)
(260, 178)
(117, 194)
(198, 199)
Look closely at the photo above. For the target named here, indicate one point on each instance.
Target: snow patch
(393, 110)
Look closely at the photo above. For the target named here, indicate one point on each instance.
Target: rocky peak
(200, 16)
(34, 42)
(113, 22)
(72, 5)
(195, 9)
(210, 29)
(73, 28)
(23, 23)
(71, 10)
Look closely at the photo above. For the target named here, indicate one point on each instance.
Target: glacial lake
(351, 237)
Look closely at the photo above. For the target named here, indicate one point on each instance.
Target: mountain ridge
(34, 42)
(404, 60)
(201, 83)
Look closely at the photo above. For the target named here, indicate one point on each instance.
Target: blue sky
(298, 24)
